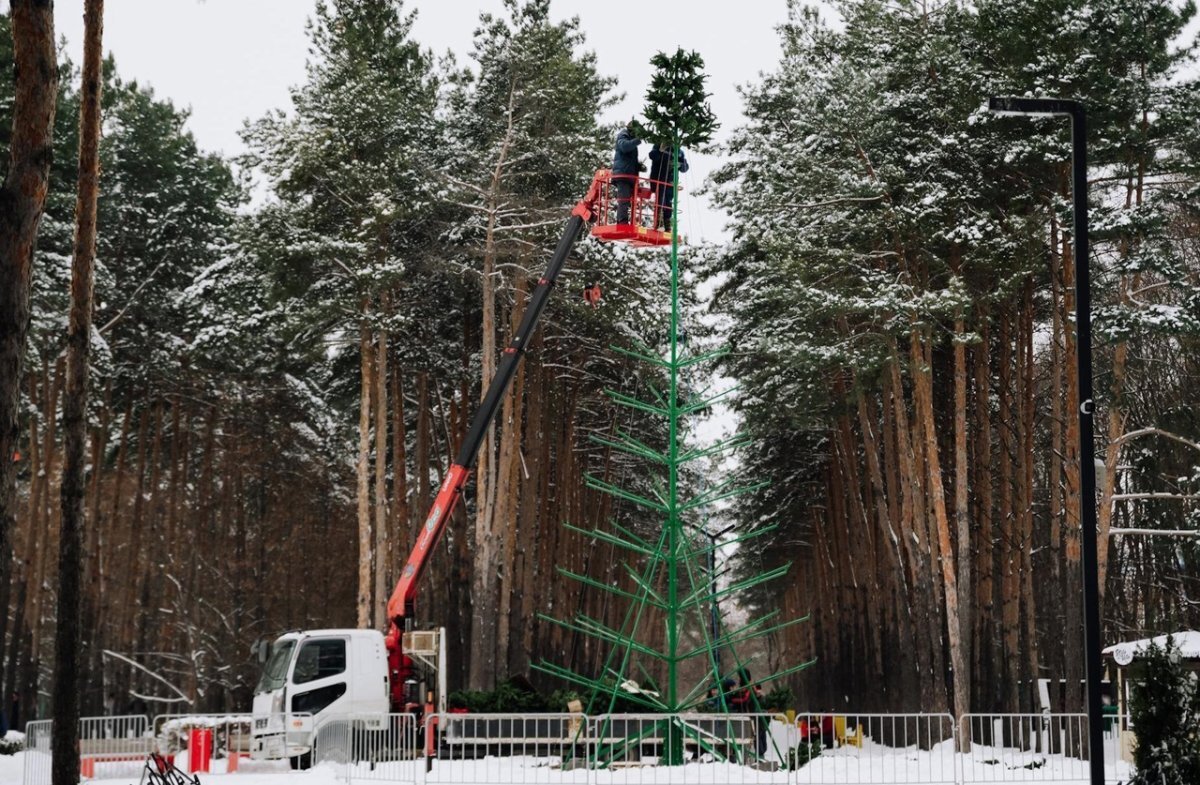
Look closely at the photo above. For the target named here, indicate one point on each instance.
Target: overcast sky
(230, 60)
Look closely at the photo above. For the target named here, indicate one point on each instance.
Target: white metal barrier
(505, 748)
(108, 747)
(861, 749)
(1041, 748)
(384, 747)
(627, 749)
(37, 753)
(620, 749)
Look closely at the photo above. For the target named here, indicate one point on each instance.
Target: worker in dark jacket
(660, 171)
(625, 171)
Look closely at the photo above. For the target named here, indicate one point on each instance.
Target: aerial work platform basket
(637, 218)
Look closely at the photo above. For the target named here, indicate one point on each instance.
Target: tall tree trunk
(509, 485)
(1026, 419)
(363, 471)
(1072, 499)
(68, 636)
(1055, 453)
(485, 583)
(22, 199)
(399, 540)
(962, 519)
(912, 511)
(381, 501)
(1008, 540)
(963, 526)
(923, 385)
(1117, 411)
(43, 517)
(983, 671)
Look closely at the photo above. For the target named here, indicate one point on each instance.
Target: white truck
(312, 679)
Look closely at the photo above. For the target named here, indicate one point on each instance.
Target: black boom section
(512, 355)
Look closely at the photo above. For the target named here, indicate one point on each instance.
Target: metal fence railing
(504, 748)
(108, 747)
(614, 749)
(37, 753)
(702, 748)
(857, 749)
(384, 747)
(1040, 748)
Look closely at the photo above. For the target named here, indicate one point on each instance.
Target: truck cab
(310, 677)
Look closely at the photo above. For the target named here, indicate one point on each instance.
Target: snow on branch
(1158, 432)
(183, 698)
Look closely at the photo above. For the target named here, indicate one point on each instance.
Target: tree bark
(381, 501)
(399, 542)
(1009, 524)
(984, 542)
(962, 518)
(22, 199)
(363, 469)
(1025, 517)
(510, 486)
(923, 385)
(68, 635)
(1117, 411)
(485, 581)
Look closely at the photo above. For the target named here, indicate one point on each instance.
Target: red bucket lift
(646, 225)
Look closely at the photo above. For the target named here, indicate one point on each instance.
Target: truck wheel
(301, 762)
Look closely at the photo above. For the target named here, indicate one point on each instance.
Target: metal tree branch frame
(672, 575)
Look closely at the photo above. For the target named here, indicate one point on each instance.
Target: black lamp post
(1083, 362)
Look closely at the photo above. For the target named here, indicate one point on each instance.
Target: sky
(233, 60)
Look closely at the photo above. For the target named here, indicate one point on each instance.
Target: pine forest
(288, 346)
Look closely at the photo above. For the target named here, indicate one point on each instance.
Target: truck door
(319, 675)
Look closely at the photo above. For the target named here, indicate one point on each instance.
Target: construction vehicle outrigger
(313, 676)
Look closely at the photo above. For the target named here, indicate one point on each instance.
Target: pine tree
(68, 637)
(523, 140)
(1166, 712)
(35, 92)
(354, 185)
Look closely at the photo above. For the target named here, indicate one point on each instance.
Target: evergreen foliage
(1165, 710)
(677, 110)
(888, 237)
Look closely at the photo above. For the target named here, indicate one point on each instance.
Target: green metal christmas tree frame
(676, 114)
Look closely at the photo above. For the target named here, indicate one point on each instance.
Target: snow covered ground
(870, 765)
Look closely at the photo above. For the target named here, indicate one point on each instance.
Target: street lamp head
(1011, 106)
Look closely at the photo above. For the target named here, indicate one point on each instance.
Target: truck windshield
(275, 671)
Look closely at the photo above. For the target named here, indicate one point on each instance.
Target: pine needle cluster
(677, 108)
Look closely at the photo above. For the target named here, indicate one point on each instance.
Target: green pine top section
(677, 109)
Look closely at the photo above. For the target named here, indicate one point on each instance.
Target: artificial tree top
(676, 103)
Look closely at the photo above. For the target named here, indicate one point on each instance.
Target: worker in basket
(625, 170)
(662, 175)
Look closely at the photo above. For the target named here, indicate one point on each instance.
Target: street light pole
(1083, 362)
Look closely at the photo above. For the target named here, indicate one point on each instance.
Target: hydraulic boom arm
(401, 604)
